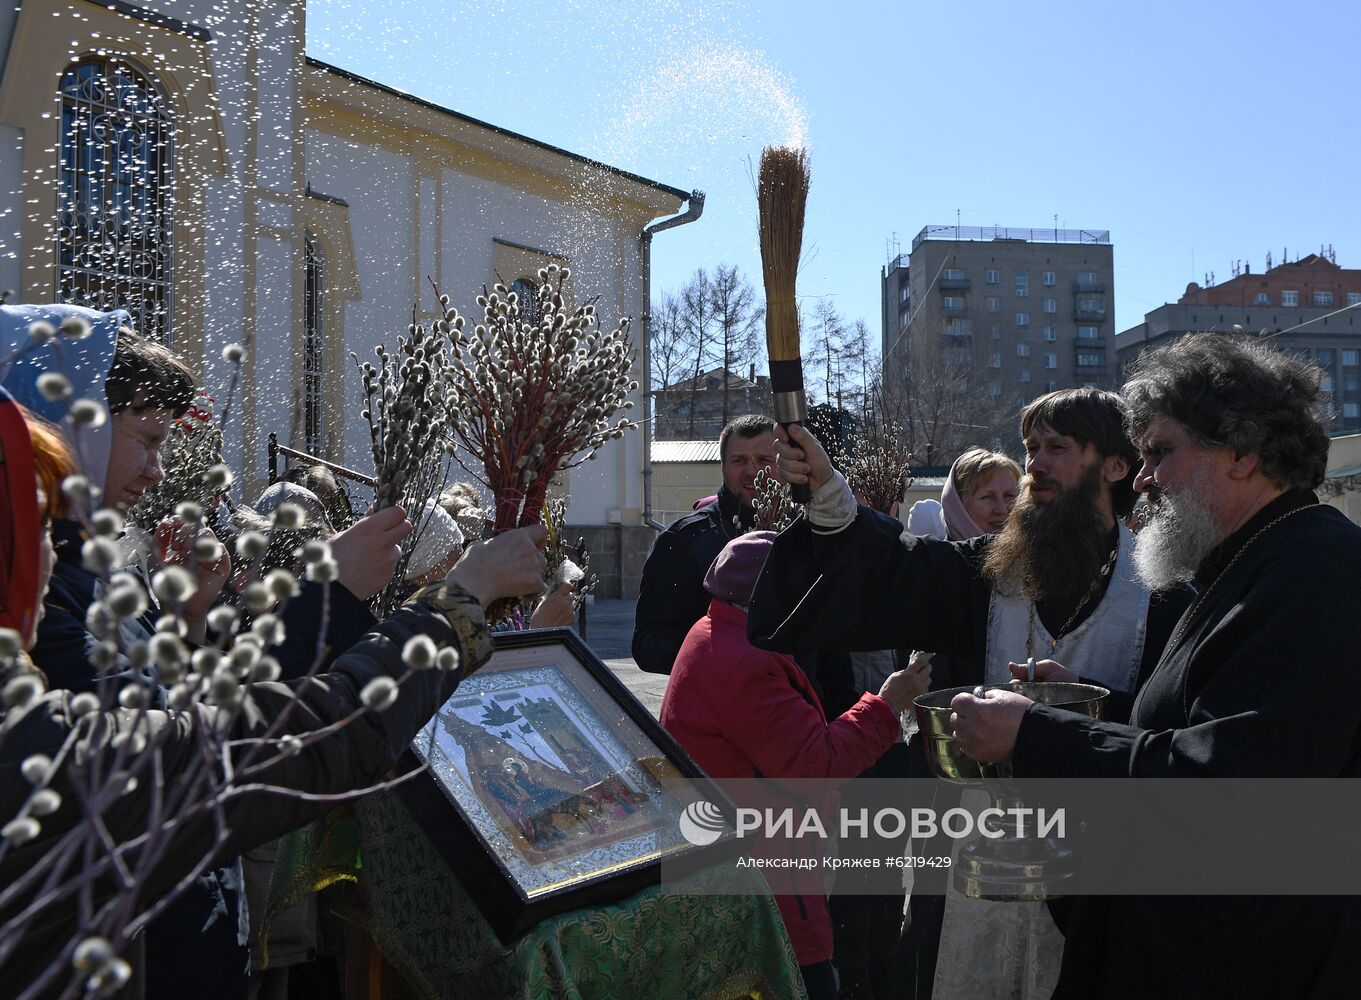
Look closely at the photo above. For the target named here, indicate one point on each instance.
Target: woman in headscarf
(114, 396)
(438, 547)
(978, 495)
(743, 712)
(33, 462)
(326, 488)
(282, 492)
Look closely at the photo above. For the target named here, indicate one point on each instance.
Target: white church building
(186, 160)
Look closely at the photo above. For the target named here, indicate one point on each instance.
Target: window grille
(313, 346)
(116, 194)
(528, 291)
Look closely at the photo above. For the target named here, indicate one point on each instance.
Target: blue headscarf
(85, 363)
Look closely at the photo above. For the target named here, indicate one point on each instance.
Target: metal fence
(1004, 233)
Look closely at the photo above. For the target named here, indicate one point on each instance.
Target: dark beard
(1051, 552)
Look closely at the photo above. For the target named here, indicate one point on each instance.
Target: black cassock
(1264, 682)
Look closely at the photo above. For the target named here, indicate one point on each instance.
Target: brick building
(698, 408)
(1310, 306)
(1312, 281)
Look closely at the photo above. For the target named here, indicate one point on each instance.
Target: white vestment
(1012, 950)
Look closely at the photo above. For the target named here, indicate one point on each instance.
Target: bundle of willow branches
(404, 397)
(774, 506)
(567, 563)
(877, 465)
(404, 407)
(532, 391)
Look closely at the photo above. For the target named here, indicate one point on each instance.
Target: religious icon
(527, 752)
(549, 786)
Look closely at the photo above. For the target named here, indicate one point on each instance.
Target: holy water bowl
(1015, 865)
(943, 754)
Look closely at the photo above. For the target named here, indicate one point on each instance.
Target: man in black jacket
(671, 596)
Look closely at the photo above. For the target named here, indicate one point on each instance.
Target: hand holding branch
(367, 552)
(509, 565)
(557, 609)
(902, 687)
(177, 543)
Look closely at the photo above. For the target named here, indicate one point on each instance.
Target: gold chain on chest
(1096, 585)
(1191, 612)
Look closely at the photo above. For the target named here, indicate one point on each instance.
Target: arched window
(313, 357)
(116, 194)
(528, 291)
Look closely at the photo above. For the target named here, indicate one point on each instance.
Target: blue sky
(1197, 133)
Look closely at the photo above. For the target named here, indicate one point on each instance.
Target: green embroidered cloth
(657, 943)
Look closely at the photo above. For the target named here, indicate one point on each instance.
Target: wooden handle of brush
(786, 384)
(798, 492)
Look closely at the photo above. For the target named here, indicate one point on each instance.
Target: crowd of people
(1187, 611)
(247, 628)
(87, 673)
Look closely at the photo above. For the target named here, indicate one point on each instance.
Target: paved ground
(609, 631)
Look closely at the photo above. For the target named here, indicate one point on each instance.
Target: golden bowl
(943, 754)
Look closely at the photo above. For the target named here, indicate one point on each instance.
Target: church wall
(380, 187)
(264, 239)
(45, 37)
(11, 206)
(11, 167)
(411, 218)
(409, 191)
(237, 256)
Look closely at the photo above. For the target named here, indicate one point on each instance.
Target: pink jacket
(743, 712)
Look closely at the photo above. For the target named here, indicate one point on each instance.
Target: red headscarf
(19, 521)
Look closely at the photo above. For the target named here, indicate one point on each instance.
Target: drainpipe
(694, 208)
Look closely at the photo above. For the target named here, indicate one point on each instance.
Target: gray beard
(1182, 532)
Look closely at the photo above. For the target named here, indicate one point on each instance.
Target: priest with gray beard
(1259, 679)
(1058, 584)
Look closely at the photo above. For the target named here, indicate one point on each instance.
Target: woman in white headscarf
(440, 543)
(978, 495)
